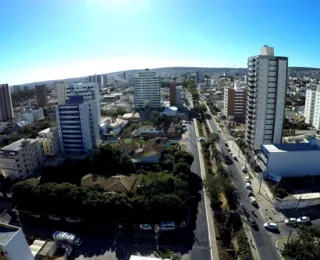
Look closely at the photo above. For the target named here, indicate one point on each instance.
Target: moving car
(270, 225)
(303, 219)
(145, 227)
(35, 216)
(252, 222)
(164, 226)
(244, 169)
(290, 221)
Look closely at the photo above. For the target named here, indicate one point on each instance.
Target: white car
(253, 200)
(244, 169)
(303, 219)
(56, 218)
(270, 225)
(145, 227)
(290, 221)
(73, 220)
(35, 216)
(247, 179)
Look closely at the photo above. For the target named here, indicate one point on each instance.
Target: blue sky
(53, 39)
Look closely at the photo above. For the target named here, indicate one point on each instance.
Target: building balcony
(72, 145)
(252, 83)
(68, 140)
(70, 127)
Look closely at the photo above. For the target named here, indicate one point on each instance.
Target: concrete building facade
(312, 107)
(267, 83)
(78, 125)
(41, 95)
(33, 115)
(199, 77)
(49, 139)
(290, 159)
(234, 107)
(13, 244)
(6, 109)
(20, 159)
(61, 93)
(147, 90)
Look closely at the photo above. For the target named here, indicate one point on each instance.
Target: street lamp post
(157, 232)
(18, 217)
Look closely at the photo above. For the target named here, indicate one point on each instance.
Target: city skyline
(72, 39)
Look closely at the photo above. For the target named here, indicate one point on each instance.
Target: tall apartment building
(310, 105)
(147, 90)
(6, 109)
(199, 77)
(49, 139)
(89, 91)
(41, 95)
(78, 125)
(234, 107)
(97, 79)
(314, 103)
(13, 244)
(61, 89)
(20, 159)
(174, 94)
(267, 82)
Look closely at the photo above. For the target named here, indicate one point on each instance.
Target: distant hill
(175, 71)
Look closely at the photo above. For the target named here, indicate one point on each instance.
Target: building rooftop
(289, 147)
(16, 146)
(7, 232)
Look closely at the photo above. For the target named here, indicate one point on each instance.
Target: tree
(105, 160)
(183, 156)
(182, 169)
(126, 165)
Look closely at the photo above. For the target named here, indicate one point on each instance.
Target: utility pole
(289, 235)
(260, 184)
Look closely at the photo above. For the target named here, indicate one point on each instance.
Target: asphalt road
(263, 239)
(201, 246)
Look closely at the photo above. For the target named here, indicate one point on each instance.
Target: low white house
(32, 115)
(147, 129)
(20, 159)
(290, 159)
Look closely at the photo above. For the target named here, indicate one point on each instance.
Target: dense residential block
(267, 83)
(6, 109)
(20, 159)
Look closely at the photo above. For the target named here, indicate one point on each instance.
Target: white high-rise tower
(267, 82)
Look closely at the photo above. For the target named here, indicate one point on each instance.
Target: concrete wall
(295, 203)
(294, 164)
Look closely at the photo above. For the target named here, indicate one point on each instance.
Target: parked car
(250, 194)
(253, 200)
(73, 220)
(145, 227)
(54, 217)
(248, 186)
(226, 144)
(303, 219)
(201, 140)
(244, 169)
(247, 179)
(234, 157)
(270, 225)
(290, 221)
(165, 226)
